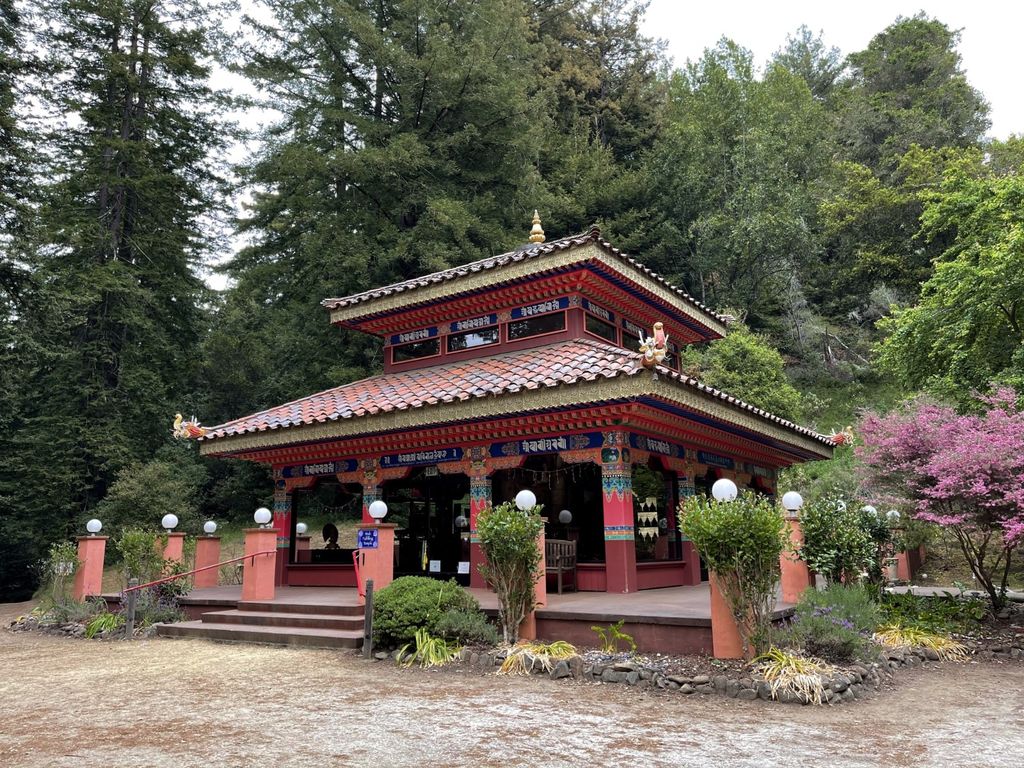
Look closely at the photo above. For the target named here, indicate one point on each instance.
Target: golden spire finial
(536, 234)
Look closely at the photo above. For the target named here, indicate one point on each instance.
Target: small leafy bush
(741, 541)
(140, 554)
(836, 542)
(466, 628)
(410, 603)
(611, 637)
(508, 539)
(835, 625)
(942, 614)
(103, 622)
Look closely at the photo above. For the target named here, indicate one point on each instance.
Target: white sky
(989, 38)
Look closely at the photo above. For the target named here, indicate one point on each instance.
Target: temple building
(519, 371)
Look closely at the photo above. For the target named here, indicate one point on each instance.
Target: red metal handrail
(357, 555)
(254, 555)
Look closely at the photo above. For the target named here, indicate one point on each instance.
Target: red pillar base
(795, 577)
(207, 554)
(258, 572)
(379, 562)
(89, 576)
(620, 566)
(174, 550)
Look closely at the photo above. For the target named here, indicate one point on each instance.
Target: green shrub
(835, 624)
(103, 622)
(508, 538)
(942, 614)
(415, 602)
(140, 555)
(466, 628)
(836, 543)
(741, 541)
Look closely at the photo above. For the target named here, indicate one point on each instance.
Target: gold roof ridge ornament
(536, 233)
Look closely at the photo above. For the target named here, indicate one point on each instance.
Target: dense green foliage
(741, 541)
(943, 614)
(835, 624)
(814, 195)
(838, 541)
(411, 603)
(508, 541)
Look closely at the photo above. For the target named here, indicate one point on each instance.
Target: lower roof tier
(570, 385)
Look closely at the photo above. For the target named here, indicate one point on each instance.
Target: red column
(617, 493)
(725, 634)
(207, 553)
(89, 576)
(174, 550)
(796, 577)
(282, 522)
(903, 567)
(258, 572)
(479, 500)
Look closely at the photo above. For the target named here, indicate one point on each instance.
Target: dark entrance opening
(431, 511)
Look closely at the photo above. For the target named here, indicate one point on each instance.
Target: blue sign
(657, 445)
(715, 460)
(368, 538)
(601, 312)
(323, 468)
(417, 335)
(412, 458)
(548, 444)
(474, 323)
(551, 305)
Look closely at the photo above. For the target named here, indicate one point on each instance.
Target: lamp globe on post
(94, 526)
(301, 528)
(792, 502)
(869, 510)
(170, 522)
(894, 516)
(724, 489)
(526, 500)
(565, 517)
(209, 527)
(262, 517)
(378, 510)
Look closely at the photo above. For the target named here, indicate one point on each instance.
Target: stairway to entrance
(277, 622)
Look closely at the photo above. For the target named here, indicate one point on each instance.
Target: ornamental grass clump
(803, 677)
(897, 636)
(508, 539)
(429, 651)
(523, 657)
(741, 542)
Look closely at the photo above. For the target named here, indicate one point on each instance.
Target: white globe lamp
(869, 509)
(301, 528)
(526, 500)
(565, 517)
(893, 515)
(169, 523)
(209, 527)
(262, 516)
(378, 510)
(792, 501)
(94, 526)
(724, 489)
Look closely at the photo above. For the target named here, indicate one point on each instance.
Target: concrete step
(277, 606)
(284, 619)
(293, 636)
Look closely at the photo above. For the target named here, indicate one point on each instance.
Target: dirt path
(192, 703)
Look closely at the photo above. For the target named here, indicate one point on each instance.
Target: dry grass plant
(899, 636)
(521, 658)
(803, 677)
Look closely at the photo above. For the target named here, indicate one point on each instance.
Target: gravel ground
(182, 703)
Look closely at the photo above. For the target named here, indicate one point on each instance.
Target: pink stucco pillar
(89, 576)
(479, 500)
(796, 576)
(528, 629)
(174, 549)
(726, 640)
(258, 572)
(617, 496)
(207, 554)
(379, 562)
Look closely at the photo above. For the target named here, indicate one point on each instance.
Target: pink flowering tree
(963, 472)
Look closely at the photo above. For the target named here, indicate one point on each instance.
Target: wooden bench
(560, 557)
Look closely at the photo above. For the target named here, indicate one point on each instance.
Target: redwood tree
(963, 472)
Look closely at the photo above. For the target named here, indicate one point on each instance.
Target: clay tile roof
(520, 254)
(562, 363)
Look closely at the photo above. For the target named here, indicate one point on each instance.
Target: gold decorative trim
(528, 266)
(581, 394)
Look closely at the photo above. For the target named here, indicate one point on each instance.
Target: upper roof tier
(585, 264)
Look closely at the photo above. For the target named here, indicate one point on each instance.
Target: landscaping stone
(687, 688)
(705, 688)
(671, 685)
(931, 654)
(701, 680)
(720, 682)
(747, 694)
(611, 676)
(381, 655)
(633, 677)
(560, 670)
(732, 687)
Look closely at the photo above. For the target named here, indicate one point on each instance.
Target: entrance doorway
(431, 511)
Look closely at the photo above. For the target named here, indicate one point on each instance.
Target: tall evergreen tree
(109, 345)
(806, 54)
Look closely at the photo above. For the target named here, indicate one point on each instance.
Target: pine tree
(108, 346)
